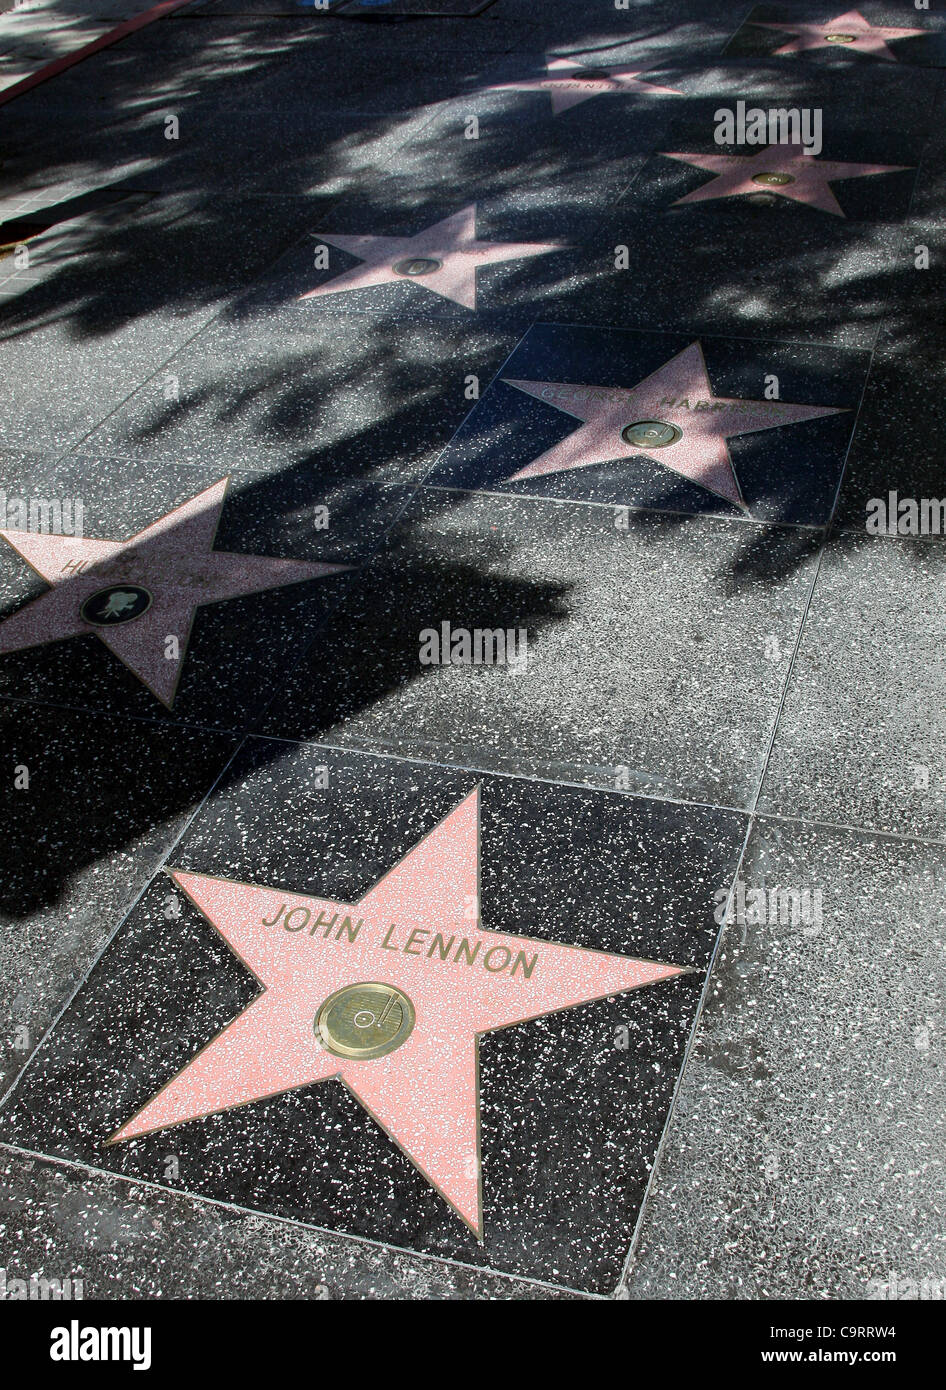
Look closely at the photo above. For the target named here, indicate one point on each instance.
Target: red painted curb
(104, 41)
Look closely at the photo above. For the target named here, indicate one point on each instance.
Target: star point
(849, 30)
(407, 968)
(135, 595)
(443, 258)
(671, 418)
(569, 83)
(776, 169)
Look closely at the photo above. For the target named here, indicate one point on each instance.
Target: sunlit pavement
(471, 622)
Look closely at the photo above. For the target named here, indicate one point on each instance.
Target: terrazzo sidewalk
(472, 583)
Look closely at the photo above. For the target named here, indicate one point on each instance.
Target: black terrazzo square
(571, 1105)
(786, 473)
(924, 47)
(415, 259)
(229, 654)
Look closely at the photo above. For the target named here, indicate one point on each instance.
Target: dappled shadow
(58, 830)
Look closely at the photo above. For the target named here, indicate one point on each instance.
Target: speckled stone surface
(319, 156)
(65, 384)
(619, 623)
(218, 79)
(787, 474)
(861, 740)
(114, 258)
(416, 7)
(549, 1090)
(324, 395)
(901, 433)
(675, 30)
(519, 149)
(494, 29)
(696, 672)
(109, 297)
(129, 1241)
(296, 9)
(99, 804)
(350, 54)
(806, 1154)
(926, 203)
(681, 285)
(55, 227)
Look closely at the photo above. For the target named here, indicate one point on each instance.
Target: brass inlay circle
(365, 1020)
(119, 603)
(651, 434)
(591, 74)
(840, 38)
(776, 180)
(417, 265)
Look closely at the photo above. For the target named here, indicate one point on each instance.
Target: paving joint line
(294, 1223)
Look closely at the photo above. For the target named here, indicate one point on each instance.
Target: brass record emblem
(776, 180)
(839, 38)
(417, 265)
(365, 1020)
(119, 603)
(651, 434)
(592, 74)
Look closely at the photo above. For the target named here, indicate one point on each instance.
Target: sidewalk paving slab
(565, 1157)
(637, 641)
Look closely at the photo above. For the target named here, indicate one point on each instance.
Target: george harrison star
(569, 83)
(134, 595)
(777, 169)
(442, 258)
(848, 31)
(671, 418)
(388, 996)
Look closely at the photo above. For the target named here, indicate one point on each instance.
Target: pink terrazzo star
(848, 31)
(134, 595)
(675, 408)
(807, 180)
(404, 933)
(570, 83)
(442, 258)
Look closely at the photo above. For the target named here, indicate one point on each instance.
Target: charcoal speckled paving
(472, 746)
(388, 875)
(641, 418)
(139, 595)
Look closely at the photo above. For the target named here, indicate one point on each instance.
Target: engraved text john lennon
(459, 950)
